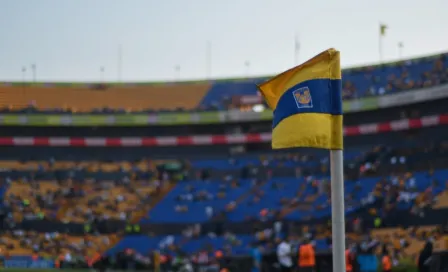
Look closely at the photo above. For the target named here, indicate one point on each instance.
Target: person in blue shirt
(257, 257)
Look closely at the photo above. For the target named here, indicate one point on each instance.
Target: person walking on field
(307, 257)
(284, 256)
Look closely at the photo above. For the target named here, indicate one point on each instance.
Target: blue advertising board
(24, 263)
(368, 263)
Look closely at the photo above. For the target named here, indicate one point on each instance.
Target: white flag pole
(337, 209)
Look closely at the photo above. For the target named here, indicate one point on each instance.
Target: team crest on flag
(303, 98)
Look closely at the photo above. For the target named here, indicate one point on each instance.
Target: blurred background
(133, 135)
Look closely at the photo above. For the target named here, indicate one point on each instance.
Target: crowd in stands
(407, 75)
(28, 197)
(73, 192)
(248, 191)
(205, 96)
(27, 243)
(248, 196)
(415, 192)
(72, 200)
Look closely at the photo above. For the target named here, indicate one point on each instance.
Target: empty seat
(442, 201)
(85, 99)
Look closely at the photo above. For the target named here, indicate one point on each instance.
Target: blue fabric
(325, 98)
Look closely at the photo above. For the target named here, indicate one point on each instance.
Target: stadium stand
(105, 189)
(112, 191)
(359, 82)
(102, 97)
(107, 200)
(97, 97)
(20, 243)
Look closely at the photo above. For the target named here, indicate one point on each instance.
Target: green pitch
(43, 270)
(51, 270)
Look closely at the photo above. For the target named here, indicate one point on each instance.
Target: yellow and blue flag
(307, 104)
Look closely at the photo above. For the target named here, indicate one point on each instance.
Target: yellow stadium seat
(442, 201)
(85, 99)
(98, 244)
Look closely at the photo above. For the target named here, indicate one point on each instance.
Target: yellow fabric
(314, 130)
(325, 65)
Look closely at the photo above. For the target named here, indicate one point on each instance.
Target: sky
(169, 40)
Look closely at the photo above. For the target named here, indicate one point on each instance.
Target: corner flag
(307, 104)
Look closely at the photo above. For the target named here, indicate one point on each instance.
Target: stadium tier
(86, 98)
(291, 197)
(102, 97)
(161, 171)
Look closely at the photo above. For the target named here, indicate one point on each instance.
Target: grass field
(51, 270)
(42, 270)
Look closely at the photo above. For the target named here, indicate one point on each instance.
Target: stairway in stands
(138, 215)
(442, 201)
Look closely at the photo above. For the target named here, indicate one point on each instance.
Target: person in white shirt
(68, 257)
(209, 211)
(284, 256)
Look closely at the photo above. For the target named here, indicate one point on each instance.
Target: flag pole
(337, 209)
(400, 50)
(208, 55)
(296, 49)
(380, 47)
(119, 62)
(383, 29)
